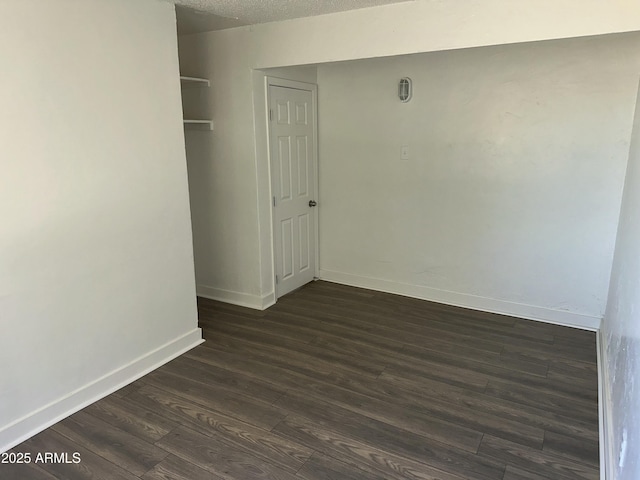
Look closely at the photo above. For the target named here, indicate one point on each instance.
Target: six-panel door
(292, 124)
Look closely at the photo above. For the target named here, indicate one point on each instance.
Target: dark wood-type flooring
(336, 382)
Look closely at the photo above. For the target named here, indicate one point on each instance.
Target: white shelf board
(194, 81)
(201, 124)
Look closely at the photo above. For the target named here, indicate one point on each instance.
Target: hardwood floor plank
(336, 382)
(579, 409)
(210, 375)
(535, 461)
(576, 370)
(321, 467)
(130, 418)
(581, 450)
(574, 336)
(249, 410)
(491, 364)
(24, 471)
(450, 404)
(281, 372)
(425, 307)
(396, 326)
(132, 387)
(230, 431)
(509, 354)
(413, 308)
(440, 372)
(390, 437)
(304, 350)
(91, 466)
(582, 337)
(298, 334)
(380, 326)
(220, 459)
(582, 353)
(175, 468)
(363, 455)
(551, 354)
(522, 413)
(573, 387)
(119, 447)
(407, 419)
(515, 473)
(399, 354)
(450, 318)
(406, 396)
(293, 362)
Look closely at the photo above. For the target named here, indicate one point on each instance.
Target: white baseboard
(33, 423)
(530, 312)
(237, 298)
(604, 412)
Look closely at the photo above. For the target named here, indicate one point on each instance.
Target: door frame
(313, 88)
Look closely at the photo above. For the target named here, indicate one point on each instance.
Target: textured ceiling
(194, 21)
(203, 15)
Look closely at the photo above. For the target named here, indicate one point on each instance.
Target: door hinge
(274, 201)
(271, 114)
(277, 280)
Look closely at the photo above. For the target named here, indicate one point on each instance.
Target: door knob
(312, 203)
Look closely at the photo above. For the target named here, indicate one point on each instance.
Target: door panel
(284, 159)
(303, 165)
(304, 235)
(292, 137)
(288, 241)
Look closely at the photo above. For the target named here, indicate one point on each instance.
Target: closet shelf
(193, 123)
(194, 82)
(199, 124)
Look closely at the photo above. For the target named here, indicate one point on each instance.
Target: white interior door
(292, 120)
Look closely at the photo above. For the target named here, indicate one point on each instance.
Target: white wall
(509, 201)
(233, 263)
(222, 173)
(426, 25)
(96, 266)
(232, 250)
(620, 334)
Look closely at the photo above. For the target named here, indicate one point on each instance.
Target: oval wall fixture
(405, 89)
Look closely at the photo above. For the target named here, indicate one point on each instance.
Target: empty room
(368, 239)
